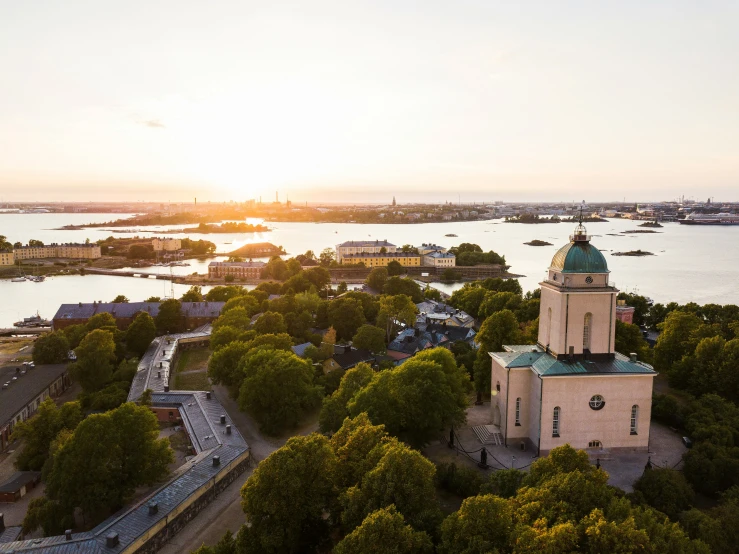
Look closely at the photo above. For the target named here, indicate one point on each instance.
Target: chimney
(216, 461)
(228, 429)
(68, 534)
(634, 358)
(111, 539)
(153, 508)
(207, 395)
(223, 420)
(166, 388)
(2, 522)
(159, 374)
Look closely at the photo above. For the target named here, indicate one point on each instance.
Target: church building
(572, 386)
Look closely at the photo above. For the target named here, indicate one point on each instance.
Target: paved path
(225, 513)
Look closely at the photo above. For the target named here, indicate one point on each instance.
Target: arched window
(586, 331)
(518, 411)
(549, 326)
(634, 418)
(555, 422)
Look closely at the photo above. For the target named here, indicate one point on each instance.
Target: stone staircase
(488, 434)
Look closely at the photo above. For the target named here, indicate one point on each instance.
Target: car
(687, 442)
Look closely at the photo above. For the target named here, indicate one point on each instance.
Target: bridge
(24, 331)
(128, 273)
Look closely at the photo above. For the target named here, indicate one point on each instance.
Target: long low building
(406, 259)
(241, 270)
(22, 389)
(363, 247)
(221, 455)
(195, 314)
(74, 251)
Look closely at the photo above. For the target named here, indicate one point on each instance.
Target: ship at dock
(711, 219)
(33, 321)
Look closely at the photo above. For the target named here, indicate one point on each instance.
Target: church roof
(546, 365)
(579, 257)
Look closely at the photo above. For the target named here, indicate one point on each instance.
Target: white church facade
(572, 386)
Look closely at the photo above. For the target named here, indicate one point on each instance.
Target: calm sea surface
(698, 264)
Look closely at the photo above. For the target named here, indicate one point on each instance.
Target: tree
(34, 242)
(326, 257)
(140, 251)
(224, 293)
(386, 531)
(394, 268)
(279, 391)
(394, 311)
(483, 524)
(51, 348)
(342, 288)
(346, 316)
(194, 294)
(369, 337)
(95, 357)
(100, 465)
(249, 303)
(153, 299)
(223, 365)
(120, 299)
(499, 329)
(675, 340)
(377, 278)
(237, 318)
(404, 285)
(629, 339)
(288, 494)
(403, 477)
(666, 490)
(416, 400)
(334, 409)
(319, 277)
(103, 320)
(74, 334)
(226, 334)
(503, 483)
(38, 432)
(170, 319)
(270, 323)
(140, 333)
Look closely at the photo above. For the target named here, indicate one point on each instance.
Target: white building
(167, 244)
(362, 247)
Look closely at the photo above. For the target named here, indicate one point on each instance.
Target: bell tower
(578, 304)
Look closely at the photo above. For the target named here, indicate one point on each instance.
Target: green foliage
(120, 299)
(39, 431)
(471, 254)
(418, 399)
(287, 496)
(98, 466)
(103, 320)
(223, 365)
(504, 483)
(499, 329)
(394, 268)
(193, 294)
(629, 339)
(269, 323)
(385, 531)
(226, 334)
(248, 302)
(140, 251)
(666, 490)
(278, 391)
(346, 315)
(225, 293)
(676, 340)
(106, 399)
(51, 348)
(377, 278)
(140, 333)
(395, 310)
(334, 408)
(404, 285)
(369, 337)
(74, 334)
(460, 480)
(170, 319)
(483, 524)
(95, 357)
(237, 318)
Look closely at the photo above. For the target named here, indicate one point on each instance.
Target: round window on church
(597, 402)
(588, 279)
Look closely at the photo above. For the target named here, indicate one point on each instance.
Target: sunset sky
(353, 100)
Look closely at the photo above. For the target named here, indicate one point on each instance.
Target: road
(224, 513)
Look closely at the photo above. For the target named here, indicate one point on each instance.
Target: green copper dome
(579, 256)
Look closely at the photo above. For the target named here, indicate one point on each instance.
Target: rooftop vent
(634, 358)
(228, 429)
(68, 534)
(223, 419)
(111, 539)
(2, 522)
(216, 461)
(153, 508)
(207, 395)
(166, 388)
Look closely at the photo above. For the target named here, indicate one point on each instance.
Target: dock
(10, 331)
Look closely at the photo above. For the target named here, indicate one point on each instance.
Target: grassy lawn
(193, 360)
(197, 380)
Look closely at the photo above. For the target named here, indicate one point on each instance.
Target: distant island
(257, 250)
(531, 218)
(537, 242)
(636, 231)
(650, 224)
(226, 227)
(633, 253)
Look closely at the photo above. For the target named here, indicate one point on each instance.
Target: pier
(10, 331)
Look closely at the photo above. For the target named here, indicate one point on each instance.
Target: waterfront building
(439, 259)
(22, 389)
(572, 386)
(406, 259)
(167, 244)
(363, 246)
(625, 313)
(430, 248)
(240, 270)
(7, 257)
(194, 314)
(73, 251)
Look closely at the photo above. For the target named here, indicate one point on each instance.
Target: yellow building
(7, 258)
(363, 246)
(167, 244)
(381, 260)
(76, 251)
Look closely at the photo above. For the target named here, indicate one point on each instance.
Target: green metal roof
(547, 365)
(579, 257)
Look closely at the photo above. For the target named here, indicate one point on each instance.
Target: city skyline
(475, 102)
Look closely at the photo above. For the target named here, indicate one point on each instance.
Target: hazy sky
(349, 100)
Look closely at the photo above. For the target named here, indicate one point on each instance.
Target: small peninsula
(633, 253)
(537, 242)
